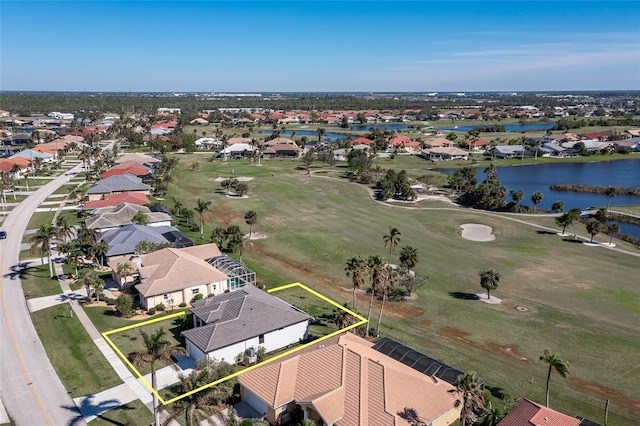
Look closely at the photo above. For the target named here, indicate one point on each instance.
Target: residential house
(208, 143)
(238, 150)
(345, 381)
(237, 140)
(133, 169)
(117, 183)
(32, 155)
(7, 165)
(552, 149)
(279, 141)
(199, 122)
(142, 159)
(232, 323)
(110, 200)
(632, 144)
(509, 151)
(590, 145)
(361, 141)
(438, 142)
(529, 413)
(172, 276)
(107, 218)
(123, 240)
(282, 151)
(444, 154)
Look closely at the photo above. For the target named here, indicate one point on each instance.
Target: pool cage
(239, 275)
(419, 362)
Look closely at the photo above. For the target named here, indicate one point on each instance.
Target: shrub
(152, 311)
(160, 307)
(124, 305)
(261, 353)
(197, 297)
(183, 304)
(396, 294)
(110, 301)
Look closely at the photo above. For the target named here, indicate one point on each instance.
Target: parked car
(3, 235)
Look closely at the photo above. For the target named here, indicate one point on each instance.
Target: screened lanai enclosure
(239, 275)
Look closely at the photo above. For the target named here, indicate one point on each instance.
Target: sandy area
(255, 236)
(239, 178)
(477, 232)
(492, 300)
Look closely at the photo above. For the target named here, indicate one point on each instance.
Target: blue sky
(236, 46)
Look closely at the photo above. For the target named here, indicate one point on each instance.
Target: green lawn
(76, 359)
(578, 299)
(37, 283)
(133, 413)
(41, 218)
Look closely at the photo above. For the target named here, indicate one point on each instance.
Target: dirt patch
(426, 323)
(583, 286)
(462, 336)
(607, 393)
(402, 310)
(225, 215)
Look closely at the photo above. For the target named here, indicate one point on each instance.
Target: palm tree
(489, 280)
(471, 397)
(202, 405)
(536, 198)
(64, 229)
(610, 193)
(565, 220)
(558, 206)
(517, 196)
(89, 278)
(100, 251)
(377, 270)
(43, 239)
(251, 218)
(593, 227)
(612, 229)
(356, 269)
(123, 271)
(88, 235)
(555, 363)
(202, 207)
(391, 279)
(409, 257)
(393, 238)
(157, 349)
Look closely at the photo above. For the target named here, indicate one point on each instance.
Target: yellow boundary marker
(106, 334)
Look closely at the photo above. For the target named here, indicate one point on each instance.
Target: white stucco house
(231, 323)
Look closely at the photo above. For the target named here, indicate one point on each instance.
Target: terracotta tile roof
(233, 141)
(120, 170)
(111, 200)
(361, 141)
(6, 164)
(168, 270)
(279, 141)
(528, 413)
(351, 384)
(138, 158)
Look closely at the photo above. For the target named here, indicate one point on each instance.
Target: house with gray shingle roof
(124, 240)
(510, 151)
(232, 323)
(117, 183)
(108, 218)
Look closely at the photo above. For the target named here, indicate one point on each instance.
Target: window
(214, 287)
(195, 290)
(261, 339)
(284, 410)
(166, 296)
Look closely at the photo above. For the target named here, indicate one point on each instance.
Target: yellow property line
(361, 321)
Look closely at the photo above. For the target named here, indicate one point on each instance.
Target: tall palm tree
(88, 235)
(612, 229)
(123, 271)
(489, 280)
(555, 363)
(89, 278)
(593, 227)
(100, 251)
(157, 349)
(536, 198)
(409, 257)
(202, 207)
(610, 193)
(42, 240)
(65, 230)
(392, 239)
(251, 218)
(392, 279)
(356, 269)
(377, 270)
(470, 397)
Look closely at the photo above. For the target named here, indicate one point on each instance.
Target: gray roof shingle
(118, 183)
(240, 315)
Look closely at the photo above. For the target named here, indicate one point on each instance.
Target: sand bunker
(477, 232)
(239, 178)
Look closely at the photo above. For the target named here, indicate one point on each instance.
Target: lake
(507, 127)
(539, 177)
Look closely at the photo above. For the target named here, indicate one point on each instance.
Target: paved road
(30, 388)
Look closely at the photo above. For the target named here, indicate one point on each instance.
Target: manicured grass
(133, 413)
(39, 219)
(635, 210)
(72, 217)
(578, 299)
(37, 283)
(64, 189)
(76, 359)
